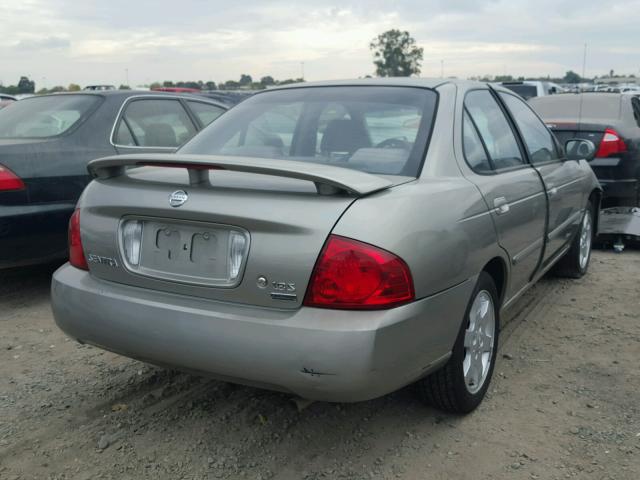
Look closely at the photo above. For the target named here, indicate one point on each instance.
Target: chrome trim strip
(568, 184)
(526, 252)
(563, 226)
(538, 275)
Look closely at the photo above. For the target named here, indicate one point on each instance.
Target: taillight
(354, 275)
(9, 181)
(611, 144)
(76, 252)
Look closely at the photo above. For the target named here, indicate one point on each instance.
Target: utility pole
(584, 61)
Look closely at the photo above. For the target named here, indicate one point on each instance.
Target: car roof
(431, 83)
(123, 94)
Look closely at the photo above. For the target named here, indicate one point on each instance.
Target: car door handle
(501, 205)
(552, 190)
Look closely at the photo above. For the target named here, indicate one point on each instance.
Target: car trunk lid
(277, 213)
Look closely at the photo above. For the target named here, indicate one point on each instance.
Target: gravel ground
(564, 403)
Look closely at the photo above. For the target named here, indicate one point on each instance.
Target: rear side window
(537, 138)
(493, 127)
(154, 123)
(205, 112)
(47, 116)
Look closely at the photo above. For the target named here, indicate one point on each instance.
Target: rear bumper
(318, 354)
(623, 192)
(32, 234)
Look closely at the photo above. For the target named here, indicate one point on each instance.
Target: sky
(56, 42)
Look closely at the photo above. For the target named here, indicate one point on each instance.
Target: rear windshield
(595, 106)
(41, 117)
(525, 91)
(372, 129)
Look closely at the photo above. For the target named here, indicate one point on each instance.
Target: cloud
(212, 39)
(41, 44)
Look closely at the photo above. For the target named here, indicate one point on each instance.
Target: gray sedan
(336, 240)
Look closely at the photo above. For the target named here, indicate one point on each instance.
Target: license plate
(190, 252)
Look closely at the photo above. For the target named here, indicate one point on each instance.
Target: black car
(226, 97)
(46, 142)
(612, 122)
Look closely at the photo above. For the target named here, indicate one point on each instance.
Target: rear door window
(494, 128)
(474, 151)
(205, 112)
(155, 123)
(46, 116)
(537, 138)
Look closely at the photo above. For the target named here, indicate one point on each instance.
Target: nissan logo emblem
(178, 198)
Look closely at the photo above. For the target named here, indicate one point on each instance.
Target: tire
(575, 263)
(448, 388)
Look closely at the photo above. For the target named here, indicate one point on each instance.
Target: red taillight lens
(358, 276)
(9, 181)
(611, 144)
(76, 253)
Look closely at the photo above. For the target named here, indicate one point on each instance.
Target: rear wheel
(575, 262)
(462, 383)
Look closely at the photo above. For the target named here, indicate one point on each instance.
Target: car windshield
(372, 129)
(47, 116)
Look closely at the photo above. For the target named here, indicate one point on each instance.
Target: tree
(26, 86)
(395, 54)
(245, 80)
(73, 87)
(155, 85)
(124, 87)
(289, 81)
(210, 85)
(267, 81)
(231, 85)
(572, 77)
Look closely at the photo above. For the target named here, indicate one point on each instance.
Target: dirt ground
(564, 403)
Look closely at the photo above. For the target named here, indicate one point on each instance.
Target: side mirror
(578, 149)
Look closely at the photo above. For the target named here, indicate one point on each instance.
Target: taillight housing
(9, 181)
(611, 144)
(353, 275)
(76, 252)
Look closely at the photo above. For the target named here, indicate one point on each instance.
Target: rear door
(512, 189)
(562, 178)
(152, 124)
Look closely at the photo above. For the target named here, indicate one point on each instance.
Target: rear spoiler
(328, 179)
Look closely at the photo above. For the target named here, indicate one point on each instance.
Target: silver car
(334, 240)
